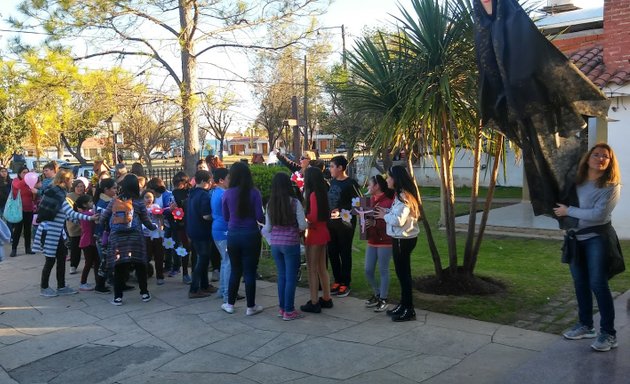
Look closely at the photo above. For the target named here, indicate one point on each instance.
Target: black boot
(13, 252)
(406, 315)
(397, 310)
(28, 250)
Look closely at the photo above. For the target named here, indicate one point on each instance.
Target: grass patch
(529, 268)
(499, 192)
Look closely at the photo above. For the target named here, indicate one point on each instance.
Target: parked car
(341, 149)
(84, 170)
(158, 155)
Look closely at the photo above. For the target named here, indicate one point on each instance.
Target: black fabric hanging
(535, 96)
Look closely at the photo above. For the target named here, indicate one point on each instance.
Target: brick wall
(617, 34)
(571, 45)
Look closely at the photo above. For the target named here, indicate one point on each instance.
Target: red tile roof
(591, 62)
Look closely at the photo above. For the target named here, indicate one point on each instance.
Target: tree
(152, 30)
(216, 111)
(150, 121)
(347, 124)
(13, 127)
(64, 104)
(279, 76)
(422, 81)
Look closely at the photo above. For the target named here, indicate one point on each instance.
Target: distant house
(247, 145)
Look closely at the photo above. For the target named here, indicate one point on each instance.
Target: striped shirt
(55, 229)
(286, 235)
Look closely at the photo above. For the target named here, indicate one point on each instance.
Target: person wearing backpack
(50, 238)
(124, 217)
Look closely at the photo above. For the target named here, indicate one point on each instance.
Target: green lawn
(530, 268)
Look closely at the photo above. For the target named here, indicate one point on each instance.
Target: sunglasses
(304, 158)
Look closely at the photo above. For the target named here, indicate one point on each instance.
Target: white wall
(463, 171)
(618, 138)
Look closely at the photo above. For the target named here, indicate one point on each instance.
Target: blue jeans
(244, 251)
(200, 270)
(287, 258)
(382, 255)
(226, 269)
(590, 273)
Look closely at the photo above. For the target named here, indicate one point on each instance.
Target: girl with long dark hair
(317, 236)
(242, 210)
(126, 245)
(284, 221)
(402, 225)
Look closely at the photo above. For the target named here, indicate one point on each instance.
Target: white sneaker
(228, 308)
(256, 309)
(86, 287)
(73, 270)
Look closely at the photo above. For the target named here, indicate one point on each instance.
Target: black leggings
(26, 223)
(75, 251)
(401, 252)
(121, 271)
(60, 259)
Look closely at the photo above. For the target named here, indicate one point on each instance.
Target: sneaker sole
(580, 337)
(605, 349)
(343, 294)
(116, 304)
(41, 294)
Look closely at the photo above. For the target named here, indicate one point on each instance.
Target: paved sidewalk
(173, 339)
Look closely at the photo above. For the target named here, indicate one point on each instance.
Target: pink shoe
(288, 316)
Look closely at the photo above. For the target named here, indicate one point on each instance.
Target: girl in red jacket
(379, 247)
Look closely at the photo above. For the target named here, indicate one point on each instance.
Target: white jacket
(400, 223)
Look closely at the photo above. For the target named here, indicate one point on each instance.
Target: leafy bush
(262, 176)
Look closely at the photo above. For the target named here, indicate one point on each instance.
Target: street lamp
(113, 122)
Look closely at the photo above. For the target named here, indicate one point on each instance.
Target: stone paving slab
(82, 339)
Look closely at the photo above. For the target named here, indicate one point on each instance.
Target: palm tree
(422, 81)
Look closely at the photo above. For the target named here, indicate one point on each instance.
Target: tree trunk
(486, 210)
(188, 60)
(449, 191)
(435, 254)
(76, 152)
(221, 139)
(474, 194)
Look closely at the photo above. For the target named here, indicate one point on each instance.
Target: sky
(355, 15)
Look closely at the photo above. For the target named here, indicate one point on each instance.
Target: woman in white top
(402, 226)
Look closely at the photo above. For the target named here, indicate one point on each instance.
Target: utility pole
(297, 148)
(343, 52)
(306, 142)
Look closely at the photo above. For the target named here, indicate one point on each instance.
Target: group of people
(391, 232)
(123, 225)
